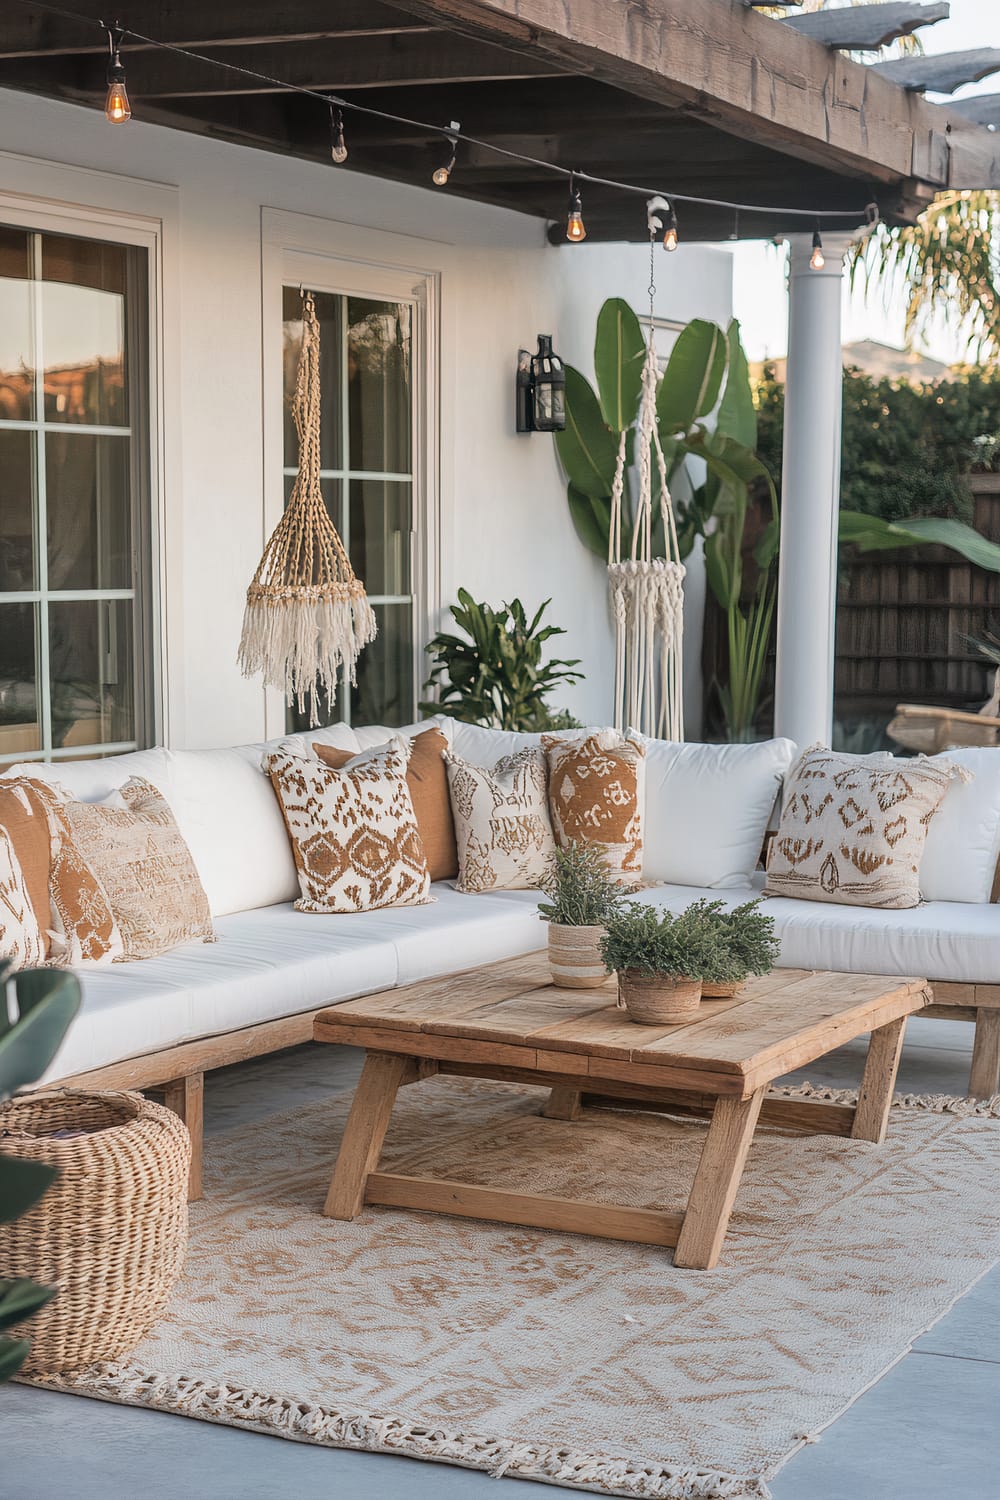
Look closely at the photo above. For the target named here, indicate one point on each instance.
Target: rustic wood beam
(355, 63)
(865, 28)
(740, 71)
(191, 23)
(943, 73)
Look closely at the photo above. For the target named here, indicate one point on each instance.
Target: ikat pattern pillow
(502, 824)
(853, 829)
(353, 832)
(22, 941)
(596, 795)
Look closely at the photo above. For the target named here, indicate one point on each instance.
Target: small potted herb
(583, 896)
(663, 959)
(753, 948)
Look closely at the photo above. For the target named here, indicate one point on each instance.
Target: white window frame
(297, 250)
(40, 216)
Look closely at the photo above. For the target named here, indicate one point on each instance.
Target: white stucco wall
(504, 524)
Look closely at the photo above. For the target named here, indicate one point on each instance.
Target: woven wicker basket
(656, 999)
(575, 957)
(110, 1233)
(721, 991)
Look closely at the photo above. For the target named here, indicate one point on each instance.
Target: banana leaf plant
(36, 1008)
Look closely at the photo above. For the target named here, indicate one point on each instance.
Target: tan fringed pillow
(428, 783)
(124, 885)
(596, 787)
(853, 828)
(502, 822)
(353, 833)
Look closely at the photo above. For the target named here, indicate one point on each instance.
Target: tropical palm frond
(903, 46)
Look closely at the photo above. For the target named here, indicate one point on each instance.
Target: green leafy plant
(581, 891)
(36, 1008)
(703, 942)
(494, 674)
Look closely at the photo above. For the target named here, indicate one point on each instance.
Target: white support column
(810, 494)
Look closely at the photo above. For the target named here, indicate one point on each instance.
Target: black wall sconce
(541, 389)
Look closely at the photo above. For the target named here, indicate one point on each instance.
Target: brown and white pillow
(853, 829)
(353, 832)
(502, 823)
(123, 883)
(24, 817)
(22, 941)
(596, 795)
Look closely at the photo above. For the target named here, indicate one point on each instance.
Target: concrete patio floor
(928, 1429)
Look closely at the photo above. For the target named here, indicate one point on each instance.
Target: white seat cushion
(461, 931)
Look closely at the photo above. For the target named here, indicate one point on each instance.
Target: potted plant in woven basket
(663, 959)
(753, 948)
(582, 897)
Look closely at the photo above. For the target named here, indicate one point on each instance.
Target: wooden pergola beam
(737, 70)
(865, 28)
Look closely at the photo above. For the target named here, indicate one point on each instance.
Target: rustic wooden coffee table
(506, 1021)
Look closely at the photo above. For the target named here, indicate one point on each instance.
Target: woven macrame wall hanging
(307, 615)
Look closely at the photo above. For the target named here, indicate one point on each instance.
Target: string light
(576, 230)
(338, 146)
(116, 106)
(440, 177)
(817, 260)
(118, 109)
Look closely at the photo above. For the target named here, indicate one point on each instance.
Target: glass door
(366, 356)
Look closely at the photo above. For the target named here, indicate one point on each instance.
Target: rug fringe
(213, 1401)
(938, 1104)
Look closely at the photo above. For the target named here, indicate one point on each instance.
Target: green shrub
(581, 891)
(703, 942)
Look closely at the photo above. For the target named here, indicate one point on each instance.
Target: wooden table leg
(716, 1181)
(984, 1078)
(871, 1117)
(564, 1103)
(364, 1133)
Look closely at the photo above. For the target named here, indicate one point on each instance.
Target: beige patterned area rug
(577, 1361)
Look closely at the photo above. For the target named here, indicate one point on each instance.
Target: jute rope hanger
(307, 614)
(646, 592)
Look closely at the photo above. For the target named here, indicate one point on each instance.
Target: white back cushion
(340, 736)
(707, 808)
(93, 780)
(484, 747)
(963, 837)
(370, 735)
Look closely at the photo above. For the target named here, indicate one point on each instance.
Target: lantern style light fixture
(541, 389)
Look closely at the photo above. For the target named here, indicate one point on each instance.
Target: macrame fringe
(300, 645)
(212, 1401)
(938, 1104)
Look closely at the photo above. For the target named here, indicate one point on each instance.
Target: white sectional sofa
(164, 1022)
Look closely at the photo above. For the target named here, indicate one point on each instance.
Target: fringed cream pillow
(353, 832)
(502, 824)
(596, 795)
(124, 885)
(853, 829)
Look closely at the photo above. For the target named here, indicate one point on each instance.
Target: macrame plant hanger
(647, 593)
(307, 615)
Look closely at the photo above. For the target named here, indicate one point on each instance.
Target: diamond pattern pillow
(853, 828)
(502, 824)
(353, 833)
(596, 795)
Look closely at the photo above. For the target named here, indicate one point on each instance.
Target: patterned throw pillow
(428, 783)
(124, 885)
(22, 941)
(596, 796)
(852, 829)
(24, 816)
(501, 822)
(354, 834)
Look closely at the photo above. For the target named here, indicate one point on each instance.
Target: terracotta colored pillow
(24, 814)
(596, 796)
(427, 780)
(22, 941)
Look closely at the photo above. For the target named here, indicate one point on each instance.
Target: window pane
(91, 263)
(90, 653)
(89, 520)
(16, 512)
(380, 534)
(84, 347)
(17, 353)
(20, 730)
(330, 312)
(378, 361)
(384, 694)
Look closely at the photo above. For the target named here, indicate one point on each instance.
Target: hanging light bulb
(116, 106)
(575, 228)
(817, 260)
(440, 177)
(671, 238)
(338, 146)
